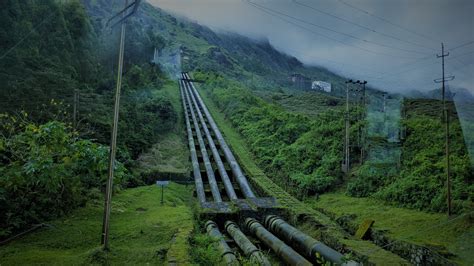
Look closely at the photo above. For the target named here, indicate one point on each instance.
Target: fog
(394, 50)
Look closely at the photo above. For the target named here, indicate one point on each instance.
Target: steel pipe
(192, 149)
(249, 249)
(205, 157)
(316, 251)
(281, 249)
(236, 170)
(226, 252)
(215, 153)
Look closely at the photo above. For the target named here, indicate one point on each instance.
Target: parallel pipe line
(215, 153)
(192, 148)
(256, 255)
(226, 252)
(281, 249)
(236, 170)
(207, 163)
(311, 248)
(317, 251)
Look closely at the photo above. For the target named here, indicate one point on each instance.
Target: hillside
(56, 117)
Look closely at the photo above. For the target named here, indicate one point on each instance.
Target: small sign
(364, 228)
(162, 183)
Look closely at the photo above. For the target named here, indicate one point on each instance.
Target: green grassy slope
(141, 231)
(433, 230)
(170, 154)
(305, 103)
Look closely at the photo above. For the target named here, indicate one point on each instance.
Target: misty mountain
(460, 94)
(200, 48)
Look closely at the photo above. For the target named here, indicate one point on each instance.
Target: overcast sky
(390, 43)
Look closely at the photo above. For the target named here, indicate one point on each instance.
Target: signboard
(162, 183)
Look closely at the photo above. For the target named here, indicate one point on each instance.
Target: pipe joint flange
(210, 223)
(228, 224)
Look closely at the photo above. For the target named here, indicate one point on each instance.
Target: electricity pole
(360, 117)
(446, 123)
(113, 142)
(346, 165)
(362, 129)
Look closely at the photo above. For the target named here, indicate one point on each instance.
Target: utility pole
(362, 130)
(113, 142)
(346, 165)
(446, 122)
(361, 136)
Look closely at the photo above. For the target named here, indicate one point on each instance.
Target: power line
(342, 63)
(459, 55)
(279, 14)
(27, 35)
(465, 65)
(320, 34)
(461, 45)
(335, 31)
(423, 59)
(387, 21)
(406, 70)
(361, 26)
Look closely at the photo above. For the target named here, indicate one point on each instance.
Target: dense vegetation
(50, 51)
(304, 153)
(299, 153)
(47, 171)
(421, 180)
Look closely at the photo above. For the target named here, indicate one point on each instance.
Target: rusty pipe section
(207, 163)
(192, 148)
(249, 249)
(236, 170)
(281, 249)
(215, 154)
(310, 247)
(226, 252)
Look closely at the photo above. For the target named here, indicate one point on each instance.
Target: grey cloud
(447, 20)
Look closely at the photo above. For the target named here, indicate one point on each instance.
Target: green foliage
(420, 181)
(315, 156)
(154, 116)
(68, 49)
(54, 56)
(369, 178)
(65, 52)
(46, 171)
(289, 147)
(204, 250)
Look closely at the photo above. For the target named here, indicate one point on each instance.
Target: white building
(321, 85)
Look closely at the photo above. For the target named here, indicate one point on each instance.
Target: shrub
(45, 171)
